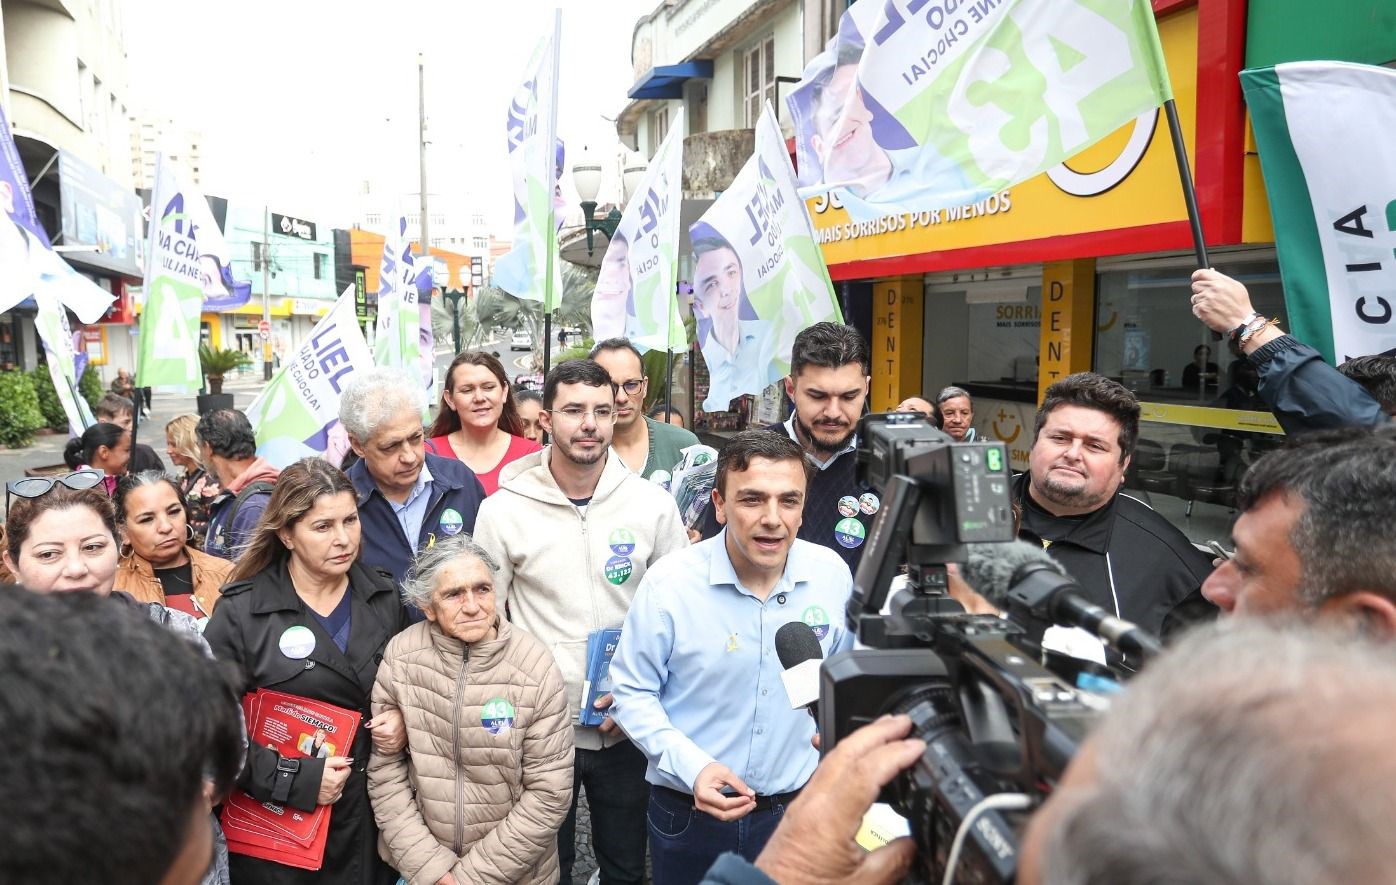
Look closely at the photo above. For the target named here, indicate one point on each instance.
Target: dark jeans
(614, 779)
(684, 841)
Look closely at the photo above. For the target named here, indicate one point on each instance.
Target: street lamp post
(455, 297)
(586, 175)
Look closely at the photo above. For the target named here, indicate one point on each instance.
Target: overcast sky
(300, 101)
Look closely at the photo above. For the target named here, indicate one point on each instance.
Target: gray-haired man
(957, 413)
(407, 497)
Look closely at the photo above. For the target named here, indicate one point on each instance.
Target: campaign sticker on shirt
(849, 533)
(497, 715)
(451, 522)
(297, 643)
(869, 503)
(817, 619)
(661, 478)
(848, 506)
(618, 569)
(621, 542)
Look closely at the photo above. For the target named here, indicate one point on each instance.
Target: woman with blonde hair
(478, 422)
(198, 486)
(301, 615)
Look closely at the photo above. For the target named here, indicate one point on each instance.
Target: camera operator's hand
(814, 844)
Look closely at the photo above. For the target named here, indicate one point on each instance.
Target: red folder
(295, 727)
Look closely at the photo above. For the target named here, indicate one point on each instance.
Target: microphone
(1025, 581)
(800, 654)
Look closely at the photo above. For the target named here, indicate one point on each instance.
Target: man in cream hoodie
(573, 531)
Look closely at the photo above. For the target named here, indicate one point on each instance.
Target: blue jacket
(454, 488)
(1308, 394)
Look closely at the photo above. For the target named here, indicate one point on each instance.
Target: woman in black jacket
(302, 616)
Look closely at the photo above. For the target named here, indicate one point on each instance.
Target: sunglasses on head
(38, 486)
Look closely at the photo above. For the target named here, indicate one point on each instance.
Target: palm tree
(217, 362)
(496, 307)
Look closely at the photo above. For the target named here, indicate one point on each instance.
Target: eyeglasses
(632, 387)
(577, 416)
(38, 486)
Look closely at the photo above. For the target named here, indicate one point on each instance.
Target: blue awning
(666, 81)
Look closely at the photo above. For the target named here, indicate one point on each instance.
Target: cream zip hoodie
(565, 570)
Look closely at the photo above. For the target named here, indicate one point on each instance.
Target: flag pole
(550, 145)
(1180, 152)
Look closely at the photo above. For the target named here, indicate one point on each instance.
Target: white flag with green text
(1325, 130)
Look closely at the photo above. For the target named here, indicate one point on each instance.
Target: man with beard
(828, 383)
(1129, 560)
(574, 531)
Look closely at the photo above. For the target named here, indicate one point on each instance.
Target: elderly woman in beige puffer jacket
(487, 777)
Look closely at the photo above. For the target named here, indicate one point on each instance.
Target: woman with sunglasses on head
(103, 447)
(60, 536)
(301, 615)
(159, 561)
(478, 422)
(198, 485)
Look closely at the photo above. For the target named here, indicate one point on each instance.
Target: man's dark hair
(1091, 391)
(575, 372)
(1346, 480)
(712, 243)
(616, 344)
(228, 433)
(1377, 374)
(739, 451)
(113, 405)
(831, 346)
(113, 723)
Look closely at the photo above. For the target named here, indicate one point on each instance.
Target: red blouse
(518, 447)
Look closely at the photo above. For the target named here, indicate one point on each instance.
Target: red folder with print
(294, 727)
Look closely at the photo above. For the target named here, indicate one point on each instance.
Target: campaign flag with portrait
(396, 333)
(636, 288)
(297, 414)
(919, 105)
(1324, 131)
(532, 268)
(758, 275)
(188, 271)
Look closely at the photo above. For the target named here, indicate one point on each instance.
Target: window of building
(256, 255)
(319, 263)
(478, 219)
(759, 78)
(82, 93)
(659, 127)
(373, 218)
(481, 242)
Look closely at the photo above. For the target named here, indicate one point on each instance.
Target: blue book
(601, 647)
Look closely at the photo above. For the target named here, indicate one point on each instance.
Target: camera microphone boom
(1025, 581)
(800, 654)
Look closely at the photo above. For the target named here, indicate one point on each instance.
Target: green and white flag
(51, 320)
(297, 414)
(758, 275)
(1325, 131)
(916, 105)
(636, 295)
(397, 334)
(532, 269)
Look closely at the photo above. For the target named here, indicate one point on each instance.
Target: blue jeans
(615, 783)
(684, 841)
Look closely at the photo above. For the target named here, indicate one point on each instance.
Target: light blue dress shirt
(413, 509)
(696, 678)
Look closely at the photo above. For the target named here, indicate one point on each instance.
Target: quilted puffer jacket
(486, 779)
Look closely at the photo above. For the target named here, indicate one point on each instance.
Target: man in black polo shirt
(1129, 560)
(828, 383)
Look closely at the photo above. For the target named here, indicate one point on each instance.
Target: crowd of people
(447, 583)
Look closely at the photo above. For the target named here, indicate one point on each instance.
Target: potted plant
(217, 362)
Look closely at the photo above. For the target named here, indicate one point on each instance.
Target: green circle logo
(850, 533)
(618, 569)
(621, 542)
(497, 715)
(817, 619)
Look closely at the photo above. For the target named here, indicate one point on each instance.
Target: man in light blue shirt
(696, 678)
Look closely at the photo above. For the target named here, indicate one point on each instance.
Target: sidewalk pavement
(47, 450)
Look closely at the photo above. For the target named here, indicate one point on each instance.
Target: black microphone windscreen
(796, 643)
(991, 569)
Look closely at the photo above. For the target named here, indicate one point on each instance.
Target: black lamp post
(455, 297)
(586, 175)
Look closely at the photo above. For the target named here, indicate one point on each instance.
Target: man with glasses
(650, 448)
(574, 531)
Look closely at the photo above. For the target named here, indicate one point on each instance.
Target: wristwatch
(286, 771)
